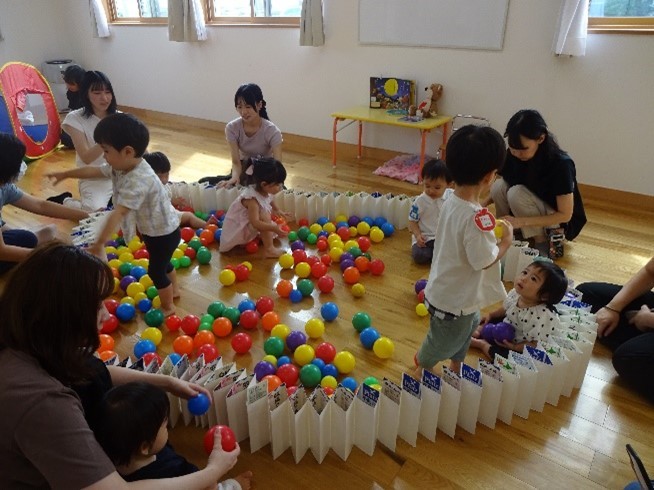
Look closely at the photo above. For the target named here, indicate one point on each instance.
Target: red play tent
(28, 109)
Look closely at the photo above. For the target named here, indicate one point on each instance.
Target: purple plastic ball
(487, 332)
(263, 368)
(297, 245)
(353, 220)
(346, 256)
(295, 339)
(344, 264)
(503, 331)
(420, 285)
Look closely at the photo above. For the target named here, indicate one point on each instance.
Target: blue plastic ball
(342, 223)
(329, 311)
(322, 234)
(199, 404)
(125, 312)
(143, 347)
(329, 370)
(379, 221)
(144, 305)
(295, 296)
(368, 220)
(388, 229)
(350, 383)
(217, 234)
(322, 220)
(174, 357)
(368, 336)
(283, 360)
(318, 362)
(138, 272)
(246, 304)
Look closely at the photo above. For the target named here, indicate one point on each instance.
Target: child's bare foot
(480, 344)
(477, 333)
(245, 480)
(46, 233)
(455, 366)
(273, 252)
(168, 311)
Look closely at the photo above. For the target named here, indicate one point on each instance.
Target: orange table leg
(360, 133)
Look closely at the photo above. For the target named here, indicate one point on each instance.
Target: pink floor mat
(402, 167)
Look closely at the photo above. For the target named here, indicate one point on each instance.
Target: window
(239, 12)
(620, 16)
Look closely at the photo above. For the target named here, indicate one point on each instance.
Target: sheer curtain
(572, 29)
(186, 21)
(99, 22)
(311, 26)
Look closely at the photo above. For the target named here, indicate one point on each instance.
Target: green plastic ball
(206, 326)
(274, 346)
(312, 238)
(175, 262)
(154, 317)
(216, 309)
(203, 255)
(305, 286)
(233, 314)
(370, 380)
(303, 233)
(152, 292)
(361, 320)
(195, 243)
(125, 268)
(185, 262)
(292, 236)
(207, 318)
(310, 375)
(355, 251)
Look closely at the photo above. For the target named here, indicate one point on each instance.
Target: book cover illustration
(391, 93)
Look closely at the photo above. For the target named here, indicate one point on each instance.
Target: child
(251, 135)
(134, 434)
(529, 307)
(15, 245)
(161, 166)
(250, 215)
(140, 200)
(98, 101)
(464, 246)
(426, 209)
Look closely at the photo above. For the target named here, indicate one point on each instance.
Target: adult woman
(50, 312)
(626, 325)
(538, 189)
(98, 101)
(250, 135)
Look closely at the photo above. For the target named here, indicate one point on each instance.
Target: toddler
(529, 307)
(426, 209)
(250, 215)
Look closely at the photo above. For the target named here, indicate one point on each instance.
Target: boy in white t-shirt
(464, 247)
(426, 209)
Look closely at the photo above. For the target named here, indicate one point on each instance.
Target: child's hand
(420, 240)
(56, 177)
(221, 460)
(643, 319)
(178, 202)
(283, 229)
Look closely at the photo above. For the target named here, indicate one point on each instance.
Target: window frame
(621, 25)
(209, 18)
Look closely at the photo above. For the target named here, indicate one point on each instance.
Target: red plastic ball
(209, 351)
(206, 236)
(326, 284)
(249, 319)
(318, 269)
(344, 233)
(377, 267)
(227, 438)
(190, 324)
(364, 243)
(242, 272)
(110, 324)
(303, 222)
(190, 253)
(251, 247)
(289, 374)
(187, 233)
(265, 304)
(141, 253)
(322, 244)
(173, 322)
(312, 259)
(326, 259)
(111, 305)
(149, 357)
(299, 256)
(291, 390)
(421, 296)
(241, 343)
(326, 352)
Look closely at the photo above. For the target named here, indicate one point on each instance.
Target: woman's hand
(186, 390)
(56, 177)
(513, 221)
(643, 320)
(228, 183)
(606, 320)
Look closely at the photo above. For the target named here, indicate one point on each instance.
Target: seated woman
(249, 136)
(538, 190)
(626, 325)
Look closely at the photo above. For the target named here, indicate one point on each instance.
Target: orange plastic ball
(222, 326)
(206, 236)
(284, 288)
(269, 320)
(105, 355)
(183, 345)
(351, 275)
(273, 382)
(203, 337)
(362, 263)
(106, 342)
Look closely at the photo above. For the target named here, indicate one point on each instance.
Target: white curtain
(311, 26)
(572, 29)
(186, 21)
(99, 23)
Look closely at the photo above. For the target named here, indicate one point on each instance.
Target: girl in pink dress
(250, 215)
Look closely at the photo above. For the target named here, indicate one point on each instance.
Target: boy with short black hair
(464, 247)
(426, 209)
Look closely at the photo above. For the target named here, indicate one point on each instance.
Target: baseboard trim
(300, 143)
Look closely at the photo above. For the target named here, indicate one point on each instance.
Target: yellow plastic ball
(315, 228)
(110, 249)
(247, 264)
(344, 362)
(178, 254)
(127, 299)
(303, 270)
(333, 237)
(376, 386)
(115, 263)
(329, 382)
(134, 244)
(227, 277)
(280, 330)
(498, 230)
(121, 249)
(421, 310)
(329, 227)
(145, 263)
(340, 217)
(146, 281)
(363, 228)
(139, 296)
(335, 254)
(349, 244)
(156, 302)
(134, 288)
(315, 328)
(337, 244)
(353, 231)
(271, 359)
(304, 354)
(153, 334)
(183, 246)
(286, 261)
(383, 347)
(126, 257)
(358, 290)
(376, 235)
(116, 285)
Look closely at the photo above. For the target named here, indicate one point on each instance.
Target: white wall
(600, 106)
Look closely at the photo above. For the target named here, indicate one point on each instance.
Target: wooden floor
(578, 444)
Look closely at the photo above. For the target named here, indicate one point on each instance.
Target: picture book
(391, 93)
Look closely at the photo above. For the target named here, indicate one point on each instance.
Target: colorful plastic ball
(362, 263)
(106, 355)
(292, 236)
(295, 339)
(110, 324)
(291, 390)
(150, 357)
(303, 270)
(488, 333)
(371, 380)
(233, 314)
(419, 285)
(299, 255)
(183, 345)
(421, 310)
(295, 296)
(215, 309)
(221, 327)
(280, 330)
(175, 263)
(246, 304)
(263, 369)
(329, 370)
(107, 342)
(128, 300)
(241, 343)
(503, 331)
(286, 261)
(203, 337)
(358, 290)
(329, 311)
(207, 318)
(364, 243)
(305, 286)
(265, 304)
(146, 280)
(344, 362)
(329, 382)
(174, 358)
(289, 374)
(361, 320)
(199, 404)
(154, 317)
(187, 233)
(303, 232)
(138, 272)
(369, 336)
(325, 283)
(326, 352)
(335, 254)
(227, 277)
(247, 264)
(252, 246)
(318, 362)
(242, 272)
(249, 319)
(111, 305)
(227, 438)
(383, 347)
(388, 229)
(318, 270)
(273, 382)
(144, 305)
(152, 334)
(297, 245)
(124, 269)
(421, 296)
(310, 375)
(284, 288)
(125, 312)
(376, 235)
(350, 383)
(269, 320)
(205, 326)
(190, 253)
(281, 360)
(185, 262)
(326, 259)
(377, 267)
(206, 237)
(173, 323)
(351, 275)
(363, 228)
(143, 346)
(274, 346)
(315, 328)
(126, 281)
(190, 324)
(345, 263)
